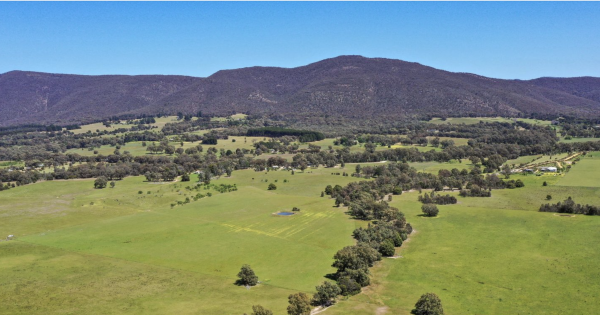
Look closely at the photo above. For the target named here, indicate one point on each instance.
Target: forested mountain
(350, 86)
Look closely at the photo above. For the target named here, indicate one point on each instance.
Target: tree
(185, 177)
(548, 197)
(370, 147)
(100, 182)
(348, 286)
(506, 171)
(545, 184)
(299, 304)
(272, 186)
(430, 210)
(247, 277)
(428, 304)
(112, 184)
(326, 294)
(259, 310)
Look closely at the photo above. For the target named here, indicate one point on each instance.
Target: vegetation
(430, 210)
(299, 304)
(155, 242)
(428, 304)
(303, 135)
(247, 277)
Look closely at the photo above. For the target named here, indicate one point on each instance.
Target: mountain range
(349, 86)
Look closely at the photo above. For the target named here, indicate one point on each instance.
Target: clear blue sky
(502, 40)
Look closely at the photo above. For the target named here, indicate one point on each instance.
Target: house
(549, 169)
(528, 170)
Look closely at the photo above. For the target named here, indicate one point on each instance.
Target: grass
(574, 140)
(160, 123)
(476, 120)
(80, 242)
(130, 253)
(136, 148)
(585, 173)
(493, 255)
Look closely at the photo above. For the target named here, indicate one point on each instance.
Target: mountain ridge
(350, 86)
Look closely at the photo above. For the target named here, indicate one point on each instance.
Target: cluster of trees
(569, 206)
(437, 199)
(475, 191)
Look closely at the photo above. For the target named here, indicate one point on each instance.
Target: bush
(519, 183)
(100, 182)
(259, 310)
(387, 249)
(295, 209)
(348, 286)
(430, 210)
(545, 184)
(185, 178)
(428, 304)
(272, 187)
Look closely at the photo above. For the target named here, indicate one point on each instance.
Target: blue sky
(512, 40)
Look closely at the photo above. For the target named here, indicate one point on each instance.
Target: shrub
(387, 248)
(428, 304)
(272, 187)
(430, 210)
(100, 182)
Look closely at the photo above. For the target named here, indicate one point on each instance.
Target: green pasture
(574, 140)
(585, 173)
(160, 123)
(494, 255)
(232, 117)
(83, 250)
(136, 148)
(476, 120)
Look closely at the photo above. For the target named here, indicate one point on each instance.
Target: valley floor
(116, 250)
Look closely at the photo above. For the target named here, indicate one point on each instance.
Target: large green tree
(247, 276)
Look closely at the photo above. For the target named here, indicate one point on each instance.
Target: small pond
(285, 213)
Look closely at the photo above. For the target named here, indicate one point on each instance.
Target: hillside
(351, 86)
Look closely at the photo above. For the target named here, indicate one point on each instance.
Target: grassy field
(574, 140)
(476, 120)
(81, 250)
(493, 255)
(586, 173)
(160, 122)
(136, 148)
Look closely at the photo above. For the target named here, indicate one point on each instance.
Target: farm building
(549, 169)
